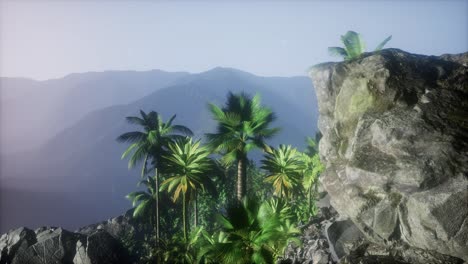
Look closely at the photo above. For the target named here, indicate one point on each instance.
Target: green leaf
(337, 51)
(353, 44)
(381, 45)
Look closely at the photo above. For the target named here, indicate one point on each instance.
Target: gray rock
(118, 227)
(13, 241)
(341, 236)
(315, 247)
(395, 145)
(52, 246)
(100, 248)
(365, 252)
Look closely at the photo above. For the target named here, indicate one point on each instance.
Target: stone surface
(341, 236)
(14, 241)
(315, 248)
(51, 245)
(366, 252)
(395, 145)
(100, 248)
(117, 227)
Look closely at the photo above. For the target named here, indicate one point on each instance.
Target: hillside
(32, 112)
(84, 159)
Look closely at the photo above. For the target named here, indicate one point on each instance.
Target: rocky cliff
(395, 145)
(101, 243)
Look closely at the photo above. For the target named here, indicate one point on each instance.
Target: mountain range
(59, 160)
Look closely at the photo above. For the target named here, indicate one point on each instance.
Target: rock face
(342, 235)
(94, 244)
(395, 145)
(17, 240)
(315, 248)
(100, 248)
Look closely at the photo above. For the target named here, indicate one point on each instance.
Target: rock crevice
(395, 145)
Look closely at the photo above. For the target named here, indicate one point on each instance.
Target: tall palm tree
(284, 170)
(188, 163)
(243, 124)
(354, 46)
(144, 202)
(150, 144)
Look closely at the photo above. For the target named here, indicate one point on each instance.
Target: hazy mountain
(82, 163)
(32, 112)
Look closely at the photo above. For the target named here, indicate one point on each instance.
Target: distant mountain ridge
(32, 112)
(82, 163)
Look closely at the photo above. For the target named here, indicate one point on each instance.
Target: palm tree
(252, 233)
(284, 170)
(144, 202)
(188, 162)
(150, 144)
(353, 46)
(243, 124)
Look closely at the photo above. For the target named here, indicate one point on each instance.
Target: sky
(50, 39)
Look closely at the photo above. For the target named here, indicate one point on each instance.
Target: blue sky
(49, 39)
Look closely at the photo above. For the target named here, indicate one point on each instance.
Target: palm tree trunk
(241, 178)
(195, 210)
(184, 216)
(157, 206)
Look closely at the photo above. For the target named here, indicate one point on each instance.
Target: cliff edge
(395, 145)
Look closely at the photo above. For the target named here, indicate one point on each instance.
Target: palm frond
(183, 130)
(353, 44)
(132, 137)
(383, 43)
(337, 51)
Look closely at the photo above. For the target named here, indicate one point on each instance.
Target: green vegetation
(354, 46)
(284, 170)
(243, 124)
(188, 163)
(150, 145)
(218, 187)
(252, 233)
(145, 201)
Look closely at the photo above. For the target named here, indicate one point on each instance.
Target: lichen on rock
(395, 145)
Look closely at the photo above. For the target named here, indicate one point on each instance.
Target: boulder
(100, 248)
(315, 248)
(52, 246)
(366, 252)
(16, 240)
(395, 146)
(119, 227)
(341, 236)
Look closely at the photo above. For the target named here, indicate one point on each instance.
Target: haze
(59, 161)
(50, 39)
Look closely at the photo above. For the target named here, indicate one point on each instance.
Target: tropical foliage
(144, 202)
(284, 170)
(251, 233)
(354, 46)
(229, 226)
(149, 145)
(188, 163)
(243, 124)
